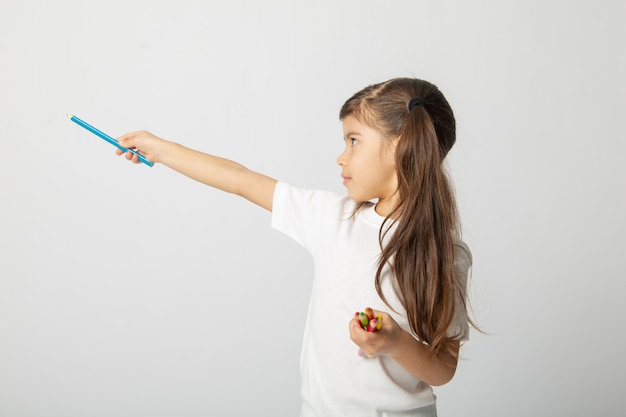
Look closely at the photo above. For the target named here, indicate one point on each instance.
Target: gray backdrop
(131, 291)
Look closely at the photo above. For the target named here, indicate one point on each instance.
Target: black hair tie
(416, 101)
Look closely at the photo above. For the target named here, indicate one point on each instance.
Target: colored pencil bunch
(368, 321)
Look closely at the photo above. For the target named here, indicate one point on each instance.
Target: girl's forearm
(417, 359)
(220, 173)
(208, 169)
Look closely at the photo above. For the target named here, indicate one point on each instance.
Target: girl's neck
(385, 206)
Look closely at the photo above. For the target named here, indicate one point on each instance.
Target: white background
(134, 291)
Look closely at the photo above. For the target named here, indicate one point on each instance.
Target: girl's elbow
(443, 377)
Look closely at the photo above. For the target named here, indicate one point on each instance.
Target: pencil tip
(69, 115)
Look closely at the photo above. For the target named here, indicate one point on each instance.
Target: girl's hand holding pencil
(368, 332)
(131, 152)
(143, 142)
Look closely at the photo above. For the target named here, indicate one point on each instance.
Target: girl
(392, 244)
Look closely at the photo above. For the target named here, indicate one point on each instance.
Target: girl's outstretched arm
(410, 353)
(216, 172)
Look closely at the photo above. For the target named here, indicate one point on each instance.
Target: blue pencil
(107, 138)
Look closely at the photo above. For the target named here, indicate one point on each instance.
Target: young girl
(392, 244)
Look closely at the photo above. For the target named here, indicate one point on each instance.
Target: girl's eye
(353, 141)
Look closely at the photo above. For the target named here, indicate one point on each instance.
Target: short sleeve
(287, 217)
(303, 214)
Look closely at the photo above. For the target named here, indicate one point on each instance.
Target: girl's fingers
(132, 157)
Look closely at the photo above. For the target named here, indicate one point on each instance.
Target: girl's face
(368, 165)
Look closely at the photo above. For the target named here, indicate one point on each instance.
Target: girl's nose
(341, 158)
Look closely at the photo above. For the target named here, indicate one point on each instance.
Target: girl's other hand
(143, 142)
(380, 342)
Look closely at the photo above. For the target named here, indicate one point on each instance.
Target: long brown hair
(421, 250)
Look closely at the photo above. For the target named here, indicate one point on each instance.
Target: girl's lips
(345, 179)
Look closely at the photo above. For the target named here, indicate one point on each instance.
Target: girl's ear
(393, 146)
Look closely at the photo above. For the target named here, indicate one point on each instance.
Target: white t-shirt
(345, 250)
